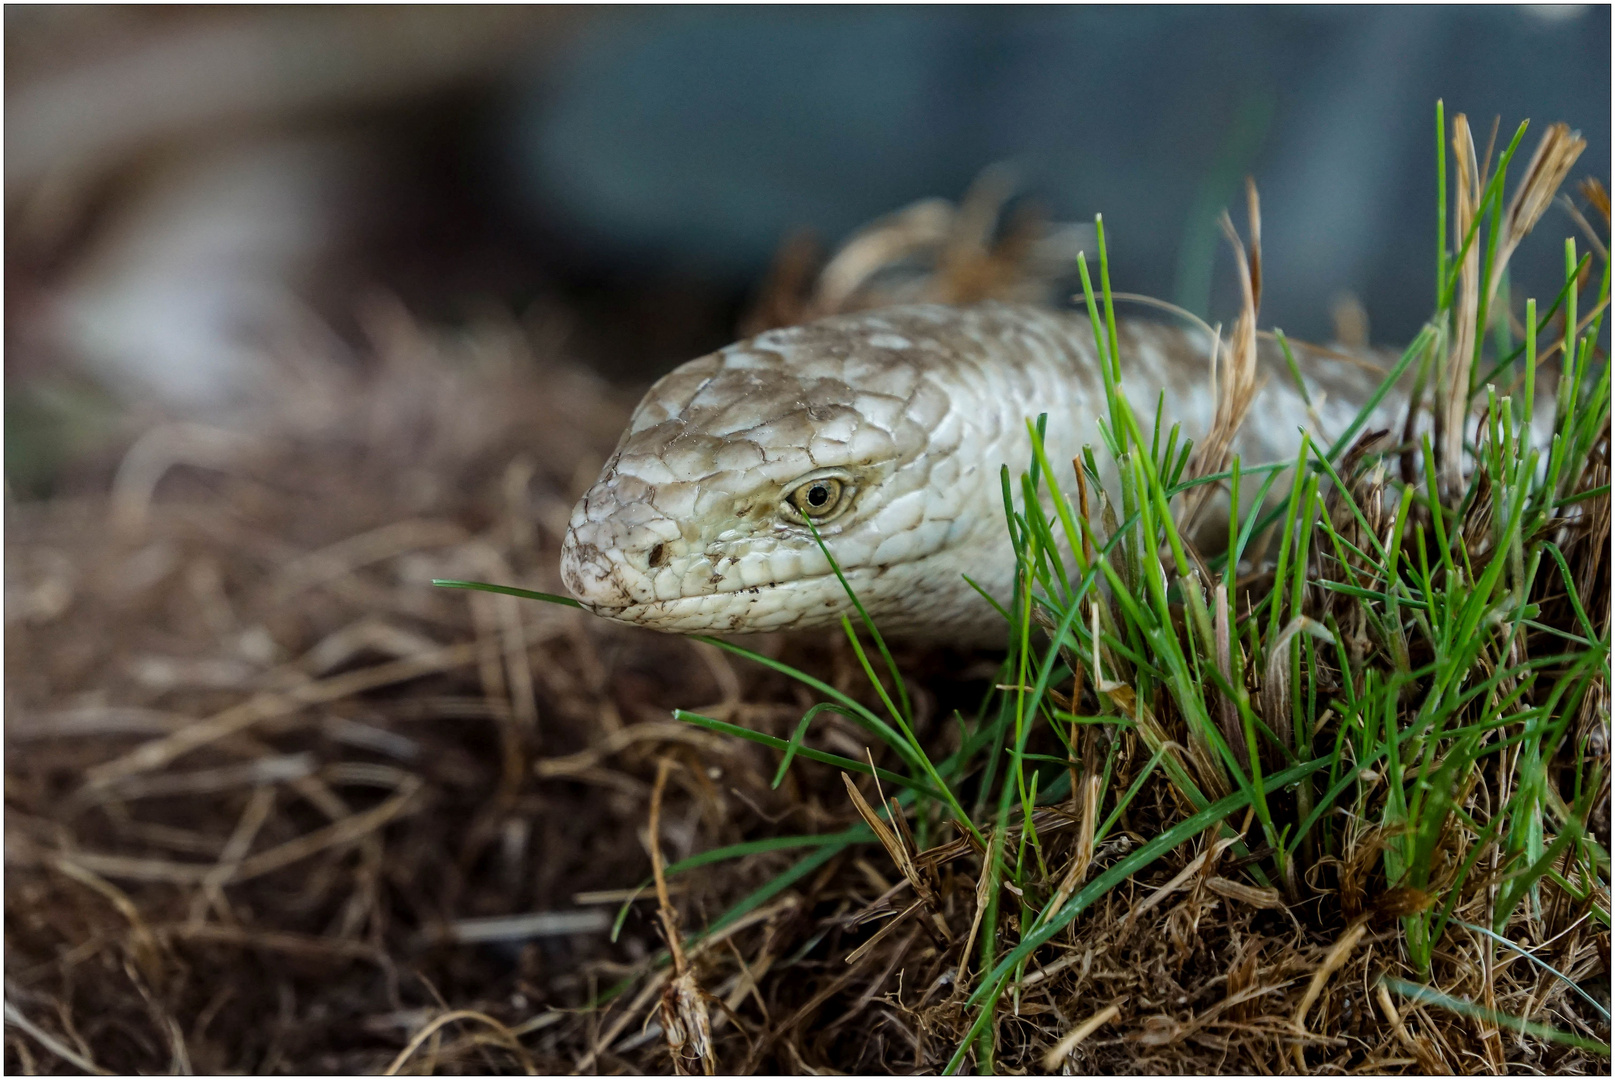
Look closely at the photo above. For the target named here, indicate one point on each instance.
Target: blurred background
(307, 306)
(191, 192)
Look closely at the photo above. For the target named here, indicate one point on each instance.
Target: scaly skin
(913, 410)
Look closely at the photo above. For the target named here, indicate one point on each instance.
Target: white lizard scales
(888, 428)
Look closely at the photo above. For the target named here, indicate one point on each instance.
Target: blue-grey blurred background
(187, 187)
(694, 137)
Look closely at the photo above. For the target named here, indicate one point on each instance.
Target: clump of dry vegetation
(276, 804)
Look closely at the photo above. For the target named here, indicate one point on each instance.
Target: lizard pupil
(818, 495)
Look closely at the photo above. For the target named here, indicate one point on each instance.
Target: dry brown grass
(277, 805)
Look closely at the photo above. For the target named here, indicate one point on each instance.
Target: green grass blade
(1427, 995)
(506, 590)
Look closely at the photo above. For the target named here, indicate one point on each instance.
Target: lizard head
(703, 518)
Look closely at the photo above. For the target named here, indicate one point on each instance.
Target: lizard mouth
(798, 604)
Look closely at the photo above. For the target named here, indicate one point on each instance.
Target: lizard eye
(818, 499)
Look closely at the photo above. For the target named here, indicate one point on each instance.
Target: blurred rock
(176, 178)
(183, 299)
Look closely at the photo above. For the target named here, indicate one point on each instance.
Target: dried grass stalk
(931, 251)
(1549, 165)
(1333, 959)
(1452, 387)
(1071, 1040)
(1236, 388)
(686, 1023)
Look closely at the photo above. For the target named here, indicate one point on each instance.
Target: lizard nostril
(658, 555)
